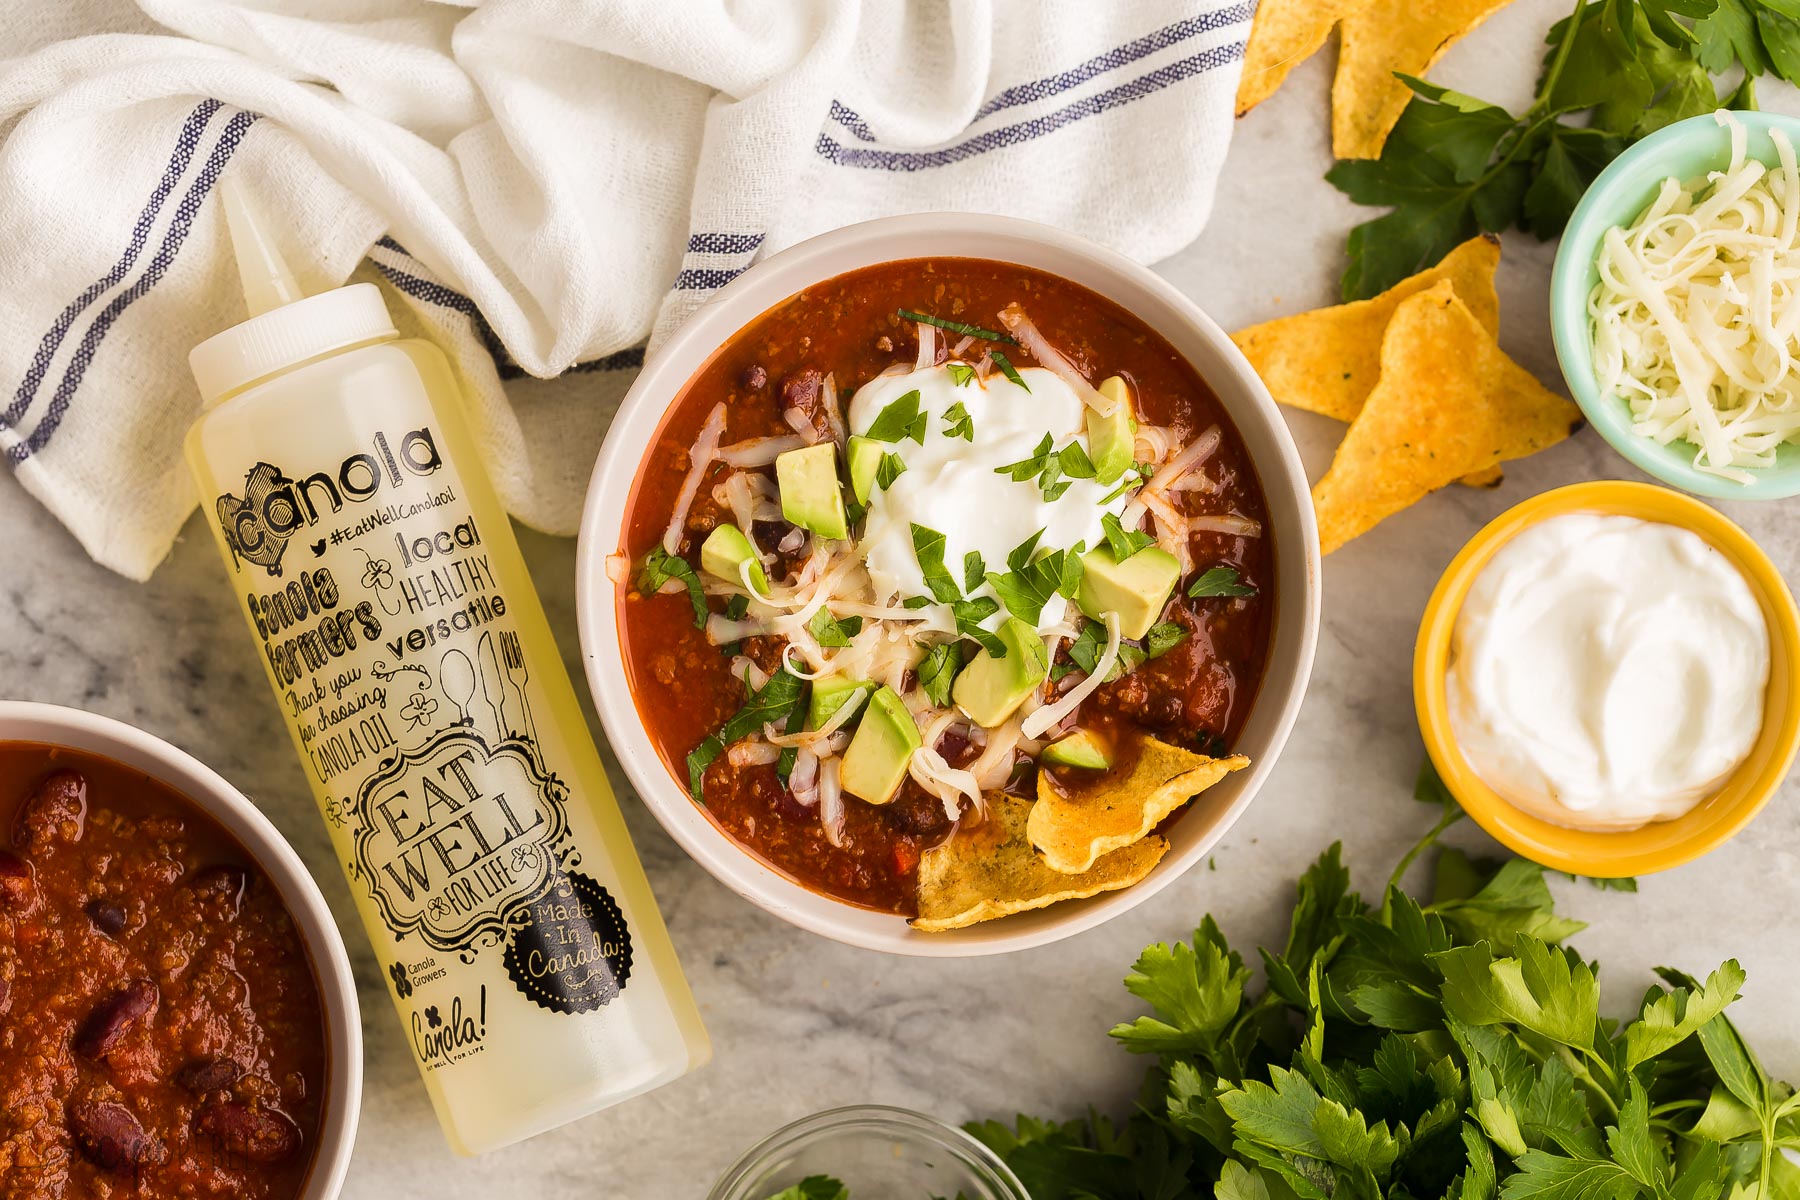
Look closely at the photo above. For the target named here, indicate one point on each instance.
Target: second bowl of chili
(180, 1014)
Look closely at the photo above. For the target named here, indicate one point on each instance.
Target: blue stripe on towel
(432, 292)
(724, 243)
(179, 226)
(1062, 81)
(186, 142)
(696, 279)
(1130, 52)
(1025, 131)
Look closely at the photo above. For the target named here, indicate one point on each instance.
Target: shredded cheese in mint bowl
(1675, 305)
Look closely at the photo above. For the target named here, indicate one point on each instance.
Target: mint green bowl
(1686, 150)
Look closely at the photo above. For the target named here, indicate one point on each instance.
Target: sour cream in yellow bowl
(1605, 678)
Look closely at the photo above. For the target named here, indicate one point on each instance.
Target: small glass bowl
(878, 1153)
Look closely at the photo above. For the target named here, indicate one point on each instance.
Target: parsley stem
(1554, 71)
(1451, 816)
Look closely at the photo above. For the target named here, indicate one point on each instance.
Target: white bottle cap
(284, 328)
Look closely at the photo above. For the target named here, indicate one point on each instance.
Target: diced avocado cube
(724, 553)
(1083, 748)
(1112, 440)
(876, 762)
(989, 688)
(1136, 589)
(830, 693)
(864, 455)
(810, 495)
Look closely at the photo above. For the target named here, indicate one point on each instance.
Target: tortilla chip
(1384, 37)
(1072, 831)
(991, 871)
(1327, 361)
(1285, 34)
(1449, 403)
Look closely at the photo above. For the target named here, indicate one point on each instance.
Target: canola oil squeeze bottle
(533, 976)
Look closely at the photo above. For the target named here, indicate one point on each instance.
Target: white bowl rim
(78, 729)
(890, 239)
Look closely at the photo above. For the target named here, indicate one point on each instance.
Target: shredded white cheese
(1695, 320)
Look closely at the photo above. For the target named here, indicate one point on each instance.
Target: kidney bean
(111, 1138)
(754, 378)
(221, 885)
(106, 916)
(113, 1018)
(55, 811)
(262, 1135)
(18, 887)
(202, 1075)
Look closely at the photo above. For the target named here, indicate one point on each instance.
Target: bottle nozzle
(268, 283)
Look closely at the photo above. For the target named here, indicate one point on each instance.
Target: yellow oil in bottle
(416, 671)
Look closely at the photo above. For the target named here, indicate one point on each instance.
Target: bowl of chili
(981, 329)
(180, 1013)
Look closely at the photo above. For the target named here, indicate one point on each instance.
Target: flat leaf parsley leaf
(1219, 581)
(771, 702)
(937, 671)
(958, 423)
(660, 566)
(899, 420)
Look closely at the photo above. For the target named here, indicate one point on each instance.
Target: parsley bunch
(1615, 71)
(1447, 1048)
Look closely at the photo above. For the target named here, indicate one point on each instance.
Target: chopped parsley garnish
(814, 1187)
(970, 614)
(796, 716)
(1163, 637)
(660, 566)
(1086, 649)
(974, 570)
(928, 547)
(775, 700)
(834, 631)
(1054, 470)
(1021, 553)
(1026, 589)
(1029, 468)
(1007, 369)
(962, 327)
(961, 374)
(899, 420)
(892, 467)
(737, 608)
(957, 421)
(917, 602)
(1124, 542)
(938, 671)
(1220, 581)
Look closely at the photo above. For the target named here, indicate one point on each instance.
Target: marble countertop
(799, 1023)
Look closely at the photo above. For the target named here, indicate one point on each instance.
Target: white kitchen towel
(546, 186)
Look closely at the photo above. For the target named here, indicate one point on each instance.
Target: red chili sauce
(1197, 695)
(160, 1026)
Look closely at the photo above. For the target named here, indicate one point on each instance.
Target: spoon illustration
(457, 678)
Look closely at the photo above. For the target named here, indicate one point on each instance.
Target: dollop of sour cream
(952, 484)
(1607, 672)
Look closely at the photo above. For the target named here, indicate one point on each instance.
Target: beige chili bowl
(24, 721)
(949, 235)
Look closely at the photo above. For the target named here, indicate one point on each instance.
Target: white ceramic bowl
(23, 721)
(1002, 239)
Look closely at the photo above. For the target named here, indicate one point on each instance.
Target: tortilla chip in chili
(1075, 828)
(1285, 34)
(1381, 38)
(1449, 403)
(990, 870)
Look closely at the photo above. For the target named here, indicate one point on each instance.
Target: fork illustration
(517, 674)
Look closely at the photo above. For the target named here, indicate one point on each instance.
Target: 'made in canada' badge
(573, 953)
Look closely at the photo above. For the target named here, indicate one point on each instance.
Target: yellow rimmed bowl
(1662, 844)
